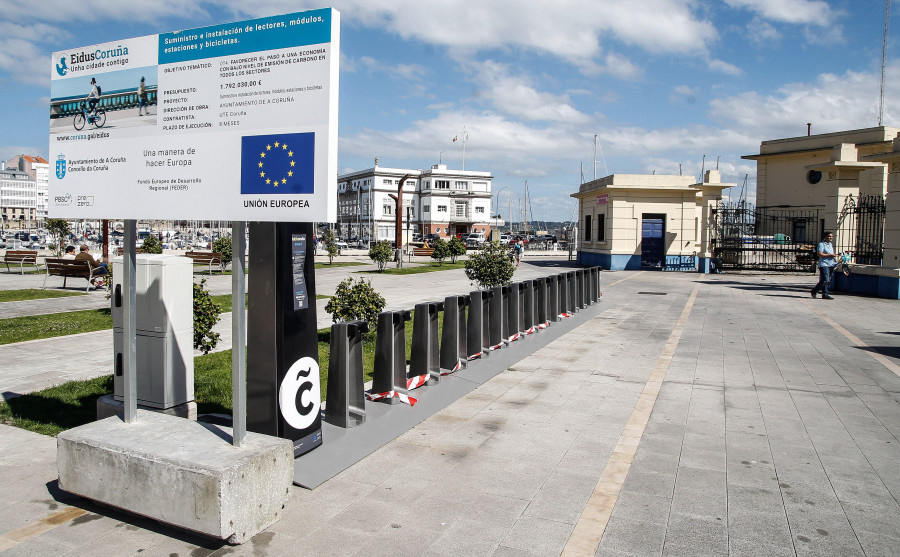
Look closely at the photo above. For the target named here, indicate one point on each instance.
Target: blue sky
(660, 82)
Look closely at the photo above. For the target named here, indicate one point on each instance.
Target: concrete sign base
(179, 472)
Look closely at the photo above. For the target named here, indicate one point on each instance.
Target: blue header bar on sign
(267, 33)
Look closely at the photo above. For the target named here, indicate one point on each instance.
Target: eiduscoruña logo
(61, 67)
(61, 166)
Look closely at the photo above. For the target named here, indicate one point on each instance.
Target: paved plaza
(695, 415)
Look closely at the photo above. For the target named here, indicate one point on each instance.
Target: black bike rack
(499, 325)
(529, 323)
(572, 295)
(553, 297)
(580, 285)
(478, 339)
(345, 402)
(389, 372)
(453, 335)
(562, 282)
(425, 356)
(514, 310)
(541, 300)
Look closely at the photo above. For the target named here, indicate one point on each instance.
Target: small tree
(456, 247)
(441, 251)
(330, 245)
(151, 245)
(206, 315)
(59, 231)
(491, 266)
(223, 245)
(381, 253)
(355, 300)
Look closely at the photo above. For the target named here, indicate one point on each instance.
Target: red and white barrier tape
(496, 347)
(403, 398)
(476, 355)
(417, 381)
(459, 364)
(564, 314)
(512, 338)
(530, 330)
(543, 325)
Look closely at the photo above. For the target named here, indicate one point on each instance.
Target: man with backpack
(827, 263)
(94, 96)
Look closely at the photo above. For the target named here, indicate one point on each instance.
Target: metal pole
(129, 324)
(238, 330)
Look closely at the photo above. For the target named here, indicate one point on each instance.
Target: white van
(475, 240)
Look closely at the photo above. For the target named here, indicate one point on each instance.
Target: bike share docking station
(441, 370)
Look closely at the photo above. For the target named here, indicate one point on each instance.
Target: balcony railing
(111, 102)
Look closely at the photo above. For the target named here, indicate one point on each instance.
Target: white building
(435, 201)
(39, 170)
(18, 200)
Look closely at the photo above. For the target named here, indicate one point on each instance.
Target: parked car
(475, 240)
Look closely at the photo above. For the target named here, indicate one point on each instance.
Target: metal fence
(746, 237)
(860, 229)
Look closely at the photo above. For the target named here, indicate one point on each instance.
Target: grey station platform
(344, 447)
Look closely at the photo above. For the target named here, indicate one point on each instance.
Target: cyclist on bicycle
(93, 97)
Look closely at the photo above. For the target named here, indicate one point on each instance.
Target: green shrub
(206, 315)
(329, 244)
(441, 251)
(151, 244)
(223, 245)
(490, 266)
(355, 300)
(381, 253)
(59, 231)
(456, 247)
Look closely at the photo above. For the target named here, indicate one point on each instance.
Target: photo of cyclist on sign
(123, 101)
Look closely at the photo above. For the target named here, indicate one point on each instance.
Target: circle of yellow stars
(262, 173)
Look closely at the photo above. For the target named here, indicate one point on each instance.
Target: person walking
(827, 263)
(142, 98)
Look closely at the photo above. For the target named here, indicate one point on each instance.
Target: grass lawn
(19, 329)
(34, 294)
(426, 268)
(74, 403)
(333, 265)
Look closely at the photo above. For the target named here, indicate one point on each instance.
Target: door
(653, 230)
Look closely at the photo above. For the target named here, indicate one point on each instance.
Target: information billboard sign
(227, 122)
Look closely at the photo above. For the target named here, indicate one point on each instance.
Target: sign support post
(129, 322)
(238, 330)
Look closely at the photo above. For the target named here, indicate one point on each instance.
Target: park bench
(120, 250)
(20, 258)
(208, 258)
(422, 252)
(69, 268)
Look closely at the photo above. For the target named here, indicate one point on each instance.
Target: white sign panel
(229, 122)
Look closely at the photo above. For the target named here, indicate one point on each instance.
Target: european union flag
(280, 163)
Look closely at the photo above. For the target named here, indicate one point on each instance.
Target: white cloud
(20, 54)
(515, 96)
(683, 92)
(832, 103)
(407, 71)
(63, 11)
(724, 67)
(807, 12)
(762, 32)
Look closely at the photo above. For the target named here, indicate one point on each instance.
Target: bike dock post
(541, 299)
(595, 285)
(528, 320)
(580, 283)
(499, 327)
(389, 373)
(553, 308)
(345, 403)
(562, 281)
(453, 335)
(425, 357)
(514, 312)
(478, 325)
(571, 295)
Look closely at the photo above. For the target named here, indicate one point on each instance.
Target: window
(587, 228)
(601, 228)
(479, 209)
(387, 209)
(461, 185)
(426, 209)
(442, 184)
(442, 208)
(461, 209)
(388, 182)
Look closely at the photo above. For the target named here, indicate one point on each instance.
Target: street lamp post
(497, 206)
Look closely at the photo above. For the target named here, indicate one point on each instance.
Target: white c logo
(302, 375)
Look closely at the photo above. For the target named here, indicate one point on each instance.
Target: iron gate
(764, 238)
(860, 229)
